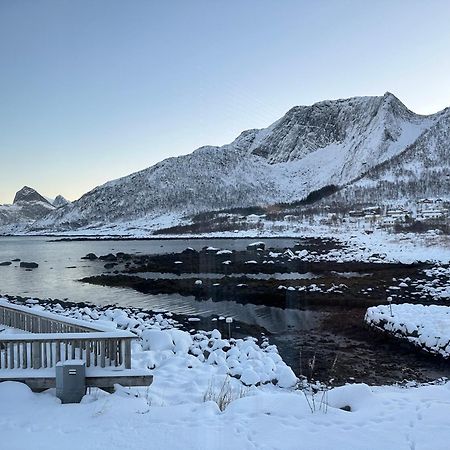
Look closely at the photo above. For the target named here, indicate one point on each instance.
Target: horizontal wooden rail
(35, 321)
(104, 378)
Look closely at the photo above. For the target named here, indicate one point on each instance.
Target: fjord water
(61, 266)
(300, 335)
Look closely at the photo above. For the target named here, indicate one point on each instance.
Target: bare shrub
(223, 395)
(316, 392)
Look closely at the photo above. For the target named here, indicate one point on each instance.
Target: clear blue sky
(91, 90)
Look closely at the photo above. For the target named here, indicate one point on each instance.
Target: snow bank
(355, 397)
(427, 327)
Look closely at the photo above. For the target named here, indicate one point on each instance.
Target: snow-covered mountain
(422, 170)
(60, 201)
(331, 142)
(27, 207)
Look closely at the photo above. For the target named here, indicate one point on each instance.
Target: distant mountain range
(369, 148)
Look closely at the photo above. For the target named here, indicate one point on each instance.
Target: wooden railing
(52, 338)
(32, 351)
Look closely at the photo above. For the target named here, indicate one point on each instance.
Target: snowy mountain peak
(420, 170)
(27, 194)
(60, 201)
(28, 206)
(305, 129)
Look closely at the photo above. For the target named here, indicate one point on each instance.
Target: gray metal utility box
(70, 381)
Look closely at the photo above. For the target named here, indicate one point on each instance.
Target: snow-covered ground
(380, 418)
(180, 410)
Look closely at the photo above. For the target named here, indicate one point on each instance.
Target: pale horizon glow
(93, 91)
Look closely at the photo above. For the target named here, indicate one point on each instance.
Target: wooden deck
(31, 357)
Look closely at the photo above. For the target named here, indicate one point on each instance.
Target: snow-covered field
(266, 408)
(380, 418)
(427, 327)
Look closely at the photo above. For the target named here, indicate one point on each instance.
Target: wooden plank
(127, 356)
(110, 381)
(88, 353)
(11, 355)
(24, 355)
(102, 353)
(36, 358)
(44, 361)
(103, 382)
(58, 352)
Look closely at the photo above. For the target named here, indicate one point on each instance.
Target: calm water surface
(60, 266)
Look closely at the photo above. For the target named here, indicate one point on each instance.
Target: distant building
(433, 214)
(372, 210)
(389, 221)
(400, 215)
(358, 213)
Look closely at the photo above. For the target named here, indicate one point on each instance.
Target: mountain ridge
(330, 142)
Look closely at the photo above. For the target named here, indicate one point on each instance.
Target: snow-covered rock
(354, 396)
(157, 340)
(427, 327)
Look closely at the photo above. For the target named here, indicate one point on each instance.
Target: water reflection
(54, 278)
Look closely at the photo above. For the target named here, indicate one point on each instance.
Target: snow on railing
(52, 338)
(37, 321)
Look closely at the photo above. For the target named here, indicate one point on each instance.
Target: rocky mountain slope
(330, 142)
(28, 206)
(422, 170)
